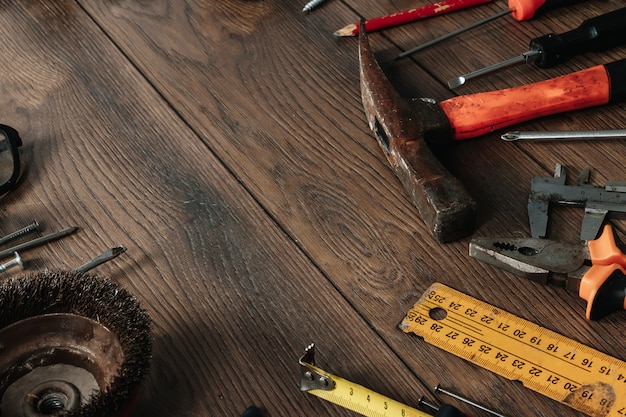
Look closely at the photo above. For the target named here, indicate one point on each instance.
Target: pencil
(406, 16)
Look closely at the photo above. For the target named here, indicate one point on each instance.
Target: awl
(593, 35)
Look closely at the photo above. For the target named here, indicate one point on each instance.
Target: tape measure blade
(363, 400)
(544, 361)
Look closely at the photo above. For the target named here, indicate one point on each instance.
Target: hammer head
(404, 128)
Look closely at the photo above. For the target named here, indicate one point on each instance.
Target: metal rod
(105, 257)
(451, 34)
(466, 401)
(38, 241)
(34, 226)
(525, 57)
(422, 401)
(565, 135)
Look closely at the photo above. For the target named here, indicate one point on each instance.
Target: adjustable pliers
(596, 269)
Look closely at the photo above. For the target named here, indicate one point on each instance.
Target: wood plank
(277, 102)
(233, 299)
(294, 107)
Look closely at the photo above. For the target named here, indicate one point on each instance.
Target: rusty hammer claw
(407, 127)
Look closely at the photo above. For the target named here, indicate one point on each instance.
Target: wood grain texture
(224, 143)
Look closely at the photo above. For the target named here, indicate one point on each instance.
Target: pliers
(595, 269)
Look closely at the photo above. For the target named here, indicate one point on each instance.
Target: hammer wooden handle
(478, 114)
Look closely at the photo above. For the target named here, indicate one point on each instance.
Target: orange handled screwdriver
(473, 115)
(520, 9)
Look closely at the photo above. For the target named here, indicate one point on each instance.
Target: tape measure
(544, 361)
(347, 394)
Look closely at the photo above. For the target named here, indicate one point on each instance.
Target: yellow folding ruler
(544, 361)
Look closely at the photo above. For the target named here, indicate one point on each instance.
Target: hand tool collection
(407, 129)
(593, 35)
(520, 9)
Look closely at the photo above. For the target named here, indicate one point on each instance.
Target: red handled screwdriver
(593, 35)
(520, 9)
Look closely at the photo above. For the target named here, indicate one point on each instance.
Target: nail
(422, 401)
(466, 401)
(38, 241)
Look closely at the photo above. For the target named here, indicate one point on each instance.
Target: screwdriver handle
(529, 9)
(478, 114)
(593, 35)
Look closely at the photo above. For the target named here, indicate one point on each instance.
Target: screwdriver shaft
(565, 135)
(99, 260)
(525, 57)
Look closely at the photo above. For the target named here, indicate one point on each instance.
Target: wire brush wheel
(71, 345)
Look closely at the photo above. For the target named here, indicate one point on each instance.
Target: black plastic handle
(593, 35)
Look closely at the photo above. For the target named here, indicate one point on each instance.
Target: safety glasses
(10, 141)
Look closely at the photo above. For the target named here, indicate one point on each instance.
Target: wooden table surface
(224, 143)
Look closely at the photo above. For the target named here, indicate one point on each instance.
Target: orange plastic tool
(477, 114)
(604, 285)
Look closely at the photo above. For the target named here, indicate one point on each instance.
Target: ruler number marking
(503, 356)
(517, 334)
(466, 324)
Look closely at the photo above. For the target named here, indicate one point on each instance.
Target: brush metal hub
(51, 364)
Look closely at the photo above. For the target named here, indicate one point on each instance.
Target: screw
(17, 260)
(466, 401)
(28, 229)
(312, 5)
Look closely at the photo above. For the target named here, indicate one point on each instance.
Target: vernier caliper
(597, 201)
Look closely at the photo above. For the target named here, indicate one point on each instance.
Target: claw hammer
(407, 129)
